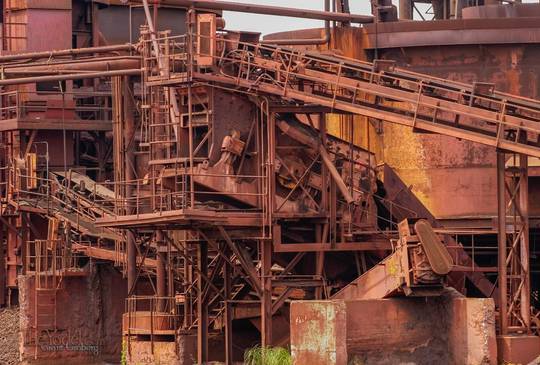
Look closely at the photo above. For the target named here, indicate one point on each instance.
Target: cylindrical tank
(456, 179)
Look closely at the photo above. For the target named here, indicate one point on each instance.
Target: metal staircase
(47, 265)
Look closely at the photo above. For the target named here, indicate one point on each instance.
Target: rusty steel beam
(278, 303)
(368, 245)
(291, 264)
(246, 263)
(266, 10)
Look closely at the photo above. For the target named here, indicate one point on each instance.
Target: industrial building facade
(177, 192)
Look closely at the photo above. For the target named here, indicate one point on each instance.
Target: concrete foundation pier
(436, 330)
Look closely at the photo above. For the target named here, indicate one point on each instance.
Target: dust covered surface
(9, 336)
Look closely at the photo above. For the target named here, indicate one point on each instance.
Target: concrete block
(162, 353)
(518, 349)
(472, 331)
(438, 330)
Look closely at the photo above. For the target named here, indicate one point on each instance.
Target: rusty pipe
(266, 10)
(67, 52)
(77, 76)
(307, 41)
(104, 64)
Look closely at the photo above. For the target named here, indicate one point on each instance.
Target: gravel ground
(9, 336)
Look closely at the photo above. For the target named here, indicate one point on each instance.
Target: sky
(272, 24)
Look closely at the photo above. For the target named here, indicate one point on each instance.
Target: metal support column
(501, 214)
(161, 272)
(513, 216)
(202, 307)
(129, 172)
(524, 242)
(11, 256)
(228, 314)
(319, 272)
(266, 299)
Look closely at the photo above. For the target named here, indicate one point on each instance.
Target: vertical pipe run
(501, 214)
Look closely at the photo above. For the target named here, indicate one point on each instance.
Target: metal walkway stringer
(470, 112)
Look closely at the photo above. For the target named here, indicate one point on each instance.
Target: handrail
(442, 106)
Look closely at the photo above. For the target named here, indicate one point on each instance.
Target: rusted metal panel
(318, 332)
(452, 32)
